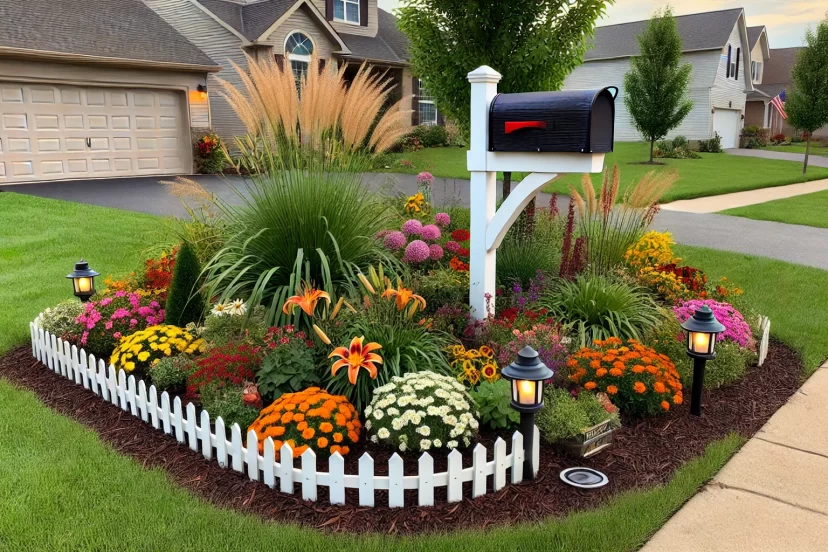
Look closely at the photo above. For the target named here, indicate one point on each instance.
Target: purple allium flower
(430, 232)
(435, 252)
(416, 252)
(395, 240)
(425, 177)
(442, 219)
(452, 246)
(412, 227)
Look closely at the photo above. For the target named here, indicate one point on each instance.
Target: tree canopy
(655, 88)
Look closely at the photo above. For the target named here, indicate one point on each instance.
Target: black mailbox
(569, 121)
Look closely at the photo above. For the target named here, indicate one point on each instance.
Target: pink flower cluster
(425, 177)
(442, 219)
(416, 252)
(104, 322)
(736, 329)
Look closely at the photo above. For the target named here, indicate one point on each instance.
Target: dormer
(759, 52)
(356, 17)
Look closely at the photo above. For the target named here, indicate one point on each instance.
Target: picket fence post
(455, 481)
(425, 469)
(252, 456)
(500, 464)
(190, 427)
(336, 478)
(142, 400)
(309, 475)
(366, 480)
(165, 413)
(517, 457)
(285, 469)
(236, 448)
(221, 443)
(268, 464)
(178, 424)
(396, 490)
(153, 406)
(130, 395)
(204, 435)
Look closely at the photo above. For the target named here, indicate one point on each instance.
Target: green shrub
(564, 416)
(224, 329)
(60, 319)
(599, 307)
(431, 136)
(171, 373)
(713, 145)
(494, 403)
(297, 226)
(680, 141)
(421, 411)
(184, 301)
(443, 286)
(288, 367)
(226, 401)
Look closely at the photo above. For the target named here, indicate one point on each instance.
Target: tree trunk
(652, 143)
(807, 151)
(507, 184)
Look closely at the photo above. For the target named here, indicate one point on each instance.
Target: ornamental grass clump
(638, 379)
(145, 348)
(310, 419)
(421, 411)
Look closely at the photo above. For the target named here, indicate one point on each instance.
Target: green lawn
(63, 489)
(808, 210)
(713, 174)
(799, 147)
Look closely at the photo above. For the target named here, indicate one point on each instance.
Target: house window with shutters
(347, 11)
(298, 51)
(427, 109)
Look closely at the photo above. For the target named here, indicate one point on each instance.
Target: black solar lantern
(527, 375)
(701, 331)
(83, 280)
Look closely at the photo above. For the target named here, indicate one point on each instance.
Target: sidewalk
(772, 495)
(813, 160)
(717, 203)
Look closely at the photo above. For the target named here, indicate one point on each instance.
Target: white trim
(319, 17)
(358, 3)
(23, 53)
(132, 395)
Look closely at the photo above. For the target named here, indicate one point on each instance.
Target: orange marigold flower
(595, 364)
(659, 387)
(299, 451)
(590, 385)
(618, 364)
(287, 417)
(340, 420)
(612, 390)
(638, 369)
(615, 372)
(301, 426)
(344, 450)
(298, 417)
(352, 435)
(608, 358)
(275, 431)
(572, 363)
(290, 407)
(639, 387)
(601, 372)
(336, 448)
(324, 413)
(303, 407)
(308, 433)
(677, 399)
(665, 405)
(322, 442)
(337, 437)
(325, 427)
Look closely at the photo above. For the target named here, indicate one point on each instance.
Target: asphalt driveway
(786, 242)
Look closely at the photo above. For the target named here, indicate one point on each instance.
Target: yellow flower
(144, 355)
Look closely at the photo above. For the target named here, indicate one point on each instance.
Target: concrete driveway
(796, 244)
(813, 160)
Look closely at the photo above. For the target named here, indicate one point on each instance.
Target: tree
(534, 45)
(655, 88)
(184, 301)
(807, 102)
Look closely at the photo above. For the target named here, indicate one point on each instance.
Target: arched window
(298, 50)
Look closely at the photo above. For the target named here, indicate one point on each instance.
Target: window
(428, 111)
(755, 71)
(298, 50)
(728, 69)
(736, 66)
(347, 10)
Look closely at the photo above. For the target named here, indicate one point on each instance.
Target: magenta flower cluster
(442, 219)
(412, 227)
(737, 329)
(430, 232)
(425, 177)
(395, 240)
(105, 322)
(416, 252)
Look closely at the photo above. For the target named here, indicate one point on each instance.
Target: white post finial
(484, 73)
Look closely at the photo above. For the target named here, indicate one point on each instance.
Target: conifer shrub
(184, 301)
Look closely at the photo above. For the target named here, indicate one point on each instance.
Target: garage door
(727, 123)
(53, 132)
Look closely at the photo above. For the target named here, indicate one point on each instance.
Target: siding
(757, 55)
(301, 20)
(600, 73)
(348, 28)
(218, 43)
(729, 93)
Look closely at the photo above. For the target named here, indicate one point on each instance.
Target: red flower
(460, 235)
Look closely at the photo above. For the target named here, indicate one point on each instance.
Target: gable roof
(778, 66)
(390, 44)
(251, 20)
(753, 35)
(699, 31)
(125, 31)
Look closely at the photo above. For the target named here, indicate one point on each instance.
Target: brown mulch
(645, 452)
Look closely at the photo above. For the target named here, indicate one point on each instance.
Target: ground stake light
(527, 374)
(83, 280)
(701, 331)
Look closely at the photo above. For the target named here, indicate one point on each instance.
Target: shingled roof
(753, 34)
(699, 31)
(114, 30)
(251, 20)
(390, 44)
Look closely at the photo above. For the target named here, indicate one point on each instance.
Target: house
(770, 82)
(289, 31)
(96, 88)
(715, 43)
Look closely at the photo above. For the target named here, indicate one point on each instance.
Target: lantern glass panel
(701, 342)
(526, 392)
(83, 285)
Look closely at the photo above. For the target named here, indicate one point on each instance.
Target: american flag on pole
(779, 103)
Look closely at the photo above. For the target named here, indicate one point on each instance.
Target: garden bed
(645, 452)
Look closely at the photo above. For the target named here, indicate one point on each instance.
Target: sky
(786, 20)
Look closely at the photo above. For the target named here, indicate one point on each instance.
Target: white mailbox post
(488, 223)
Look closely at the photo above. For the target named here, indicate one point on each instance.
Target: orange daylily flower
(358, 356)
(306, 301)
(404, 296)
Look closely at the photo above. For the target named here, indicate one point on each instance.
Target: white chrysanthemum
(367, 424)
(368, 410)
(437, 443)
(220, 309)
(383, 433)
(442, 393)
(397, 424)
(473, 424)
(425, 444)
(403, 446)
(236, 308)
(452, 444)
(374, 439)
(466, 441)
(392, 411)
(424, 430)
(378, 414)
(407, 389)
(433, 411)
(450, 420)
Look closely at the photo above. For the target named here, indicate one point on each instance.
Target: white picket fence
(764, 326)
(133, 396)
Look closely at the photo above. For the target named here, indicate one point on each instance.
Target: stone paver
(717, 203)
(813, 160)
(729, 520)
